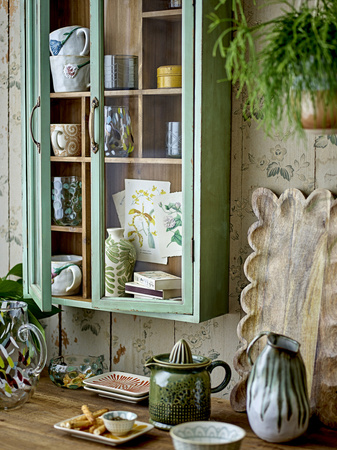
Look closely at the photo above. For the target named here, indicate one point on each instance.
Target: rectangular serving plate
(120, 382)
(138, 429)
(115, 396)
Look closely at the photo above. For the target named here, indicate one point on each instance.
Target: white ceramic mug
(72, 40)
(66, 274)
(66, 139)
(70, 73)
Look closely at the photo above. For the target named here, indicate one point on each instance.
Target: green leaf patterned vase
(277, 397)
(120, 259)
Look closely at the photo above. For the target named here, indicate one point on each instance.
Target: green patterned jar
(180, 386)
(120, 259)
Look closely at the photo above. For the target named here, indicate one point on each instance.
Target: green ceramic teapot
(180, 386)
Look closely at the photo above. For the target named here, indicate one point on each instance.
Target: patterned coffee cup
(66, 139)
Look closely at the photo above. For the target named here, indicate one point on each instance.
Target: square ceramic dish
(138, 429)
(121, 382)
(115, 396)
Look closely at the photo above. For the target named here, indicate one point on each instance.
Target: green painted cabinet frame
(206, 169)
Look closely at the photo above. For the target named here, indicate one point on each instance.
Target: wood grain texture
(51, 404)
(289, 292)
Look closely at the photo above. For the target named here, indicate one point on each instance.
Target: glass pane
(34, 187)
(142, 129)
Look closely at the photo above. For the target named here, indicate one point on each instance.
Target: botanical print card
(140, 221)
(168, 212)
(119, 201)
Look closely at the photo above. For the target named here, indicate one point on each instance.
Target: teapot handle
(263, 333)
(226, 380)
(23, 335)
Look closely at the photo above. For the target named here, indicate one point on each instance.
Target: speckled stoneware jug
(180, 386)
(277, 398)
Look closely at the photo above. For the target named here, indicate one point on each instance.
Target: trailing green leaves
(273, 63)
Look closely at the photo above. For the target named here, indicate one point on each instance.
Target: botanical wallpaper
(277, 162)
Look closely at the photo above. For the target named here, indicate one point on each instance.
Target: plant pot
(319, 116)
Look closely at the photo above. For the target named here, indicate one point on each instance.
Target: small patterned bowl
(207, 435)
(70, 371)
(119, 422)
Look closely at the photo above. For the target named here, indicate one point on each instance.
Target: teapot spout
(150, 363)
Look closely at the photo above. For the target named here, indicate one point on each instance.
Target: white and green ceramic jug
(120, 259)
(277, 397)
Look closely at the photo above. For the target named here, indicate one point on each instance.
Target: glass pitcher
(20, 361)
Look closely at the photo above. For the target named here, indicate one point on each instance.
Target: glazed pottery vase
(20, 361)
(120, 259)
(277, 397)
(180, 386)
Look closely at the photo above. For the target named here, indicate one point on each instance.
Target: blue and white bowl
(206, 435)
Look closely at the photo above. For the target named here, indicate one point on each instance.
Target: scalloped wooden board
(293, 287)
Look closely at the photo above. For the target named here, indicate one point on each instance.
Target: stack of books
(154, 284)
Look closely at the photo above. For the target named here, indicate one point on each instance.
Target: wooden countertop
(31, 426)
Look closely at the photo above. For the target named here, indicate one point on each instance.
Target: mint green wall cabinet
(126, 110)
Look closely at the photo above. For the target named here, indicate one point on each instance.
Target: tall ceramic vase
(120, 259)
(277, 398)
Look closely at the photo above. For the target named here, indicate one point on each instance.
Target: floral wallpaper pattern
(127, 341)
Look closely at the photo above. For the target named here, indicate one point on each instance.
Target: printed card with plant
(141, 225)
(168, 212)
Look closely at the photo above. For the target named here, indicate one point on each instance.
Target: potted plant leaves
(286, 66)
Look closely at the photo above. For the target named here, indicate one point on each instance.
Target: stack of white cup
(70, 63)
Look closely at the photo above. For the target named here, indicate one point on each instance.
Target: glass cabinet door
(37, 161)
(139, 170)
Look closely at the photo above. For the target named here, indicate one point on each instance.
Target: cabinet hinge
(192, 250)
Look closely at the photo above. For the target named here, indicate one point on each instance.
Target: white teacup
(66, 274)
(70, 73)
(72, 40)
(66, 139)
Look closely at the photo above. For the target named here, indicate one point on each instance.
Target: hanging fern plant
(283, 63)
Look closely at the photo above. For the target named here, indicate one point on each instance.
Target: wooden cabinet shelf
(66, 229)
(160, 161)
(170, 14)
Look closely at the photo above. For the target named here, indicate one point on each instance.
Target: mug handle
(86, 48)
(228, 374)
(263, 333)
(77, 277)
(23, 336)
(54, 140)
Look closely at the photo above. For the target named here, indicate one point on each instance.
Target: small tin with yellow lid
(169, 77)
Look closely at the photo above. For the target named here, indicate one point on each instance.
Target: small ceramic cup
(66, 139)
(72, 40)
(66, 274)
(70, 73)
(119, 422)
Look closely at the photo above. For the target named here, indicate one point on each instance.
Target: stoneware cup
(70, 73)
(72, 40)
(66, 139)
(66, 274)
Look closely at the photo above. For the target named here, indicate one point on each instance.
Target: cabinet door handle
(38, 145)
(94, 145)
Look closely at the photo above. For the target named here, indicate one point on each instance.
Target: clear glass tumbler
(67, 201)
(118, 140)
